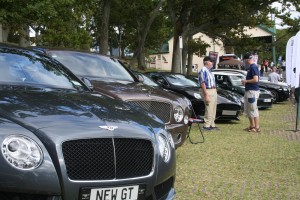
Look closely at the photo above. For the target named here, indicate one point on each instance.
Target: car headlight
(186, 119)
(21, 152)
(164, 146)
(178, 114)
(197, 96)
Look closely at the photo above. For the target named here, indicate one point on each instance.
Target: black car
(233, 96)
(280, 91)
(227, 109)
(61, 141)
(110, 77)
(232, 82)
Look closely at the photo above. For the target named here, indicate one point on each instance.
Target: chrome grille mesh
(107, 158)
(161, 109)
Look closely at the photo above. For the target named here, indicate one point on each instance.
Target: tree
(104, 27)
(55, 22)
(223, 19)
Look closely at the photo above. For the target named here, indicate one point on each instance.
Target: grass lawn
(235, 164)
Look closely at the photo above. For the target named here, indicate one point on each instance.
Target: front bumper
(178, 132)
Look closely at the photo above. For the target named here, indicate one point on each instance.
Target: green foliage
(197, 46)
(76, 23)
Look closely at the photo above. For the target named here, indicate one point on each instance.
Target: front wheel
(275, 96)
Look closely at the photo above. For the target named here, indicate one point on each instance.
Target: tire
(275, 95)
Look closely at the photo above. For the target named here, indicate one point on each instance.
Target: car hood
(193, 93)
(127, 90)
(279, 83)
(74, 113)
(232, 96)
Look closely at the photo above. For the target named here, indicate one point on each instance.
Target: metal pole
(273, 42)
(180, 52)
(296, 129)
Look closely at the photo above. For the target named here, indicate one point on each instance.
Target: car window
(34, 70)
(237, 80)
(180, 80)
(91, 65)
(148, 81)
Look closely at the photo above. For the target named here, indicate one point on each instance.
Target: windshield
(92, 65)
(148, 81)
(180, 80)
(20, 67)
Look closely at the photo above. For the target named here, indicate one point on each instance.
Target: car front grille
(224, 106)
(108, 158)
(161, 109)
(266, 96)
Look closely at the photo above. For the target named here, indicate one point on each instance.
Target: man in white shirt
(274, 76)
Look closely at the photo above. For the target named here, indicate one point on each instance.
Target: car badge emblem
(110, 128)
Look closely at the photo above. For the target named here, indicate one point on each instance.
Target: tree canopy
(140, 26)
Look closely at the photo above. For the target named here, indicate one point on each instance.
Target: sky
(294, 14)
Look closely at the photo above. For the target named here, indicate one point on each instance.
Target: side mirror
(140, 78)
(160, 81)
(88, 83)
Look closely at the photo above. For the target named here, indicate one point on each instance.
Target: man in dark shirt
(251, 94)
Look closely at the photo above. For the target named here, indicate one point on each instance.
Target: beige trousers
(210, 108)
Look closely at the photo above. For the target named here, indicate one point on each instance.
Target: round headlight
(197, 96)
(178, 114)
(21, 152)
(164, 147)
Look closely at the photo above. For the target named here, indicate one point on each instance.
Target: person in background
(283, 65)
(261, 70)
(266, 65)
(251, 94)
(280, 73)
(208, 93)
(273, 77)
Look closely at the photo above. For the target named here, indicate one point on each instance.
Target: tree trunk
(180, 24)
(141, 60)
(190, 59)
(139, 52)
(103, 39)
(24, 37)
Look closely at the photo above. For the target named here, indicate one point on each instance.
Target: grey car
(60, 141)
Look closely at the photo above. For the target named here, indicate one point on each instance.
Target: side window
(219, 79)
(160, 80)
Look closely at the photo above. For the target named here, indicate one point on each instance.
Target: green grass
(235, 164)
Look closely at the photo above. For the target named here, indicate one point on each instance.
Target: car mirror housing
(88, 83)
(140, 78)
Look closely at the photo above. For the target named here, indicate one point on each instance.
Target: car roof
(231, 71)
(227, 73)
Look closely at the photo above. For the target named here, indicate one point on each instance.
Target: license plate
(116, 193)
(228, 112)
(267, 100)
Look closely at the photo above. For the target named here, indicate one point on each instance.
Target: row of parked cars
(79, 125)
